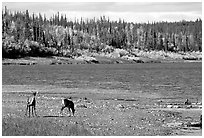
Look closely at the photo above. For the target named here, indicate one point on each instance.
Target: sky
(139, 12)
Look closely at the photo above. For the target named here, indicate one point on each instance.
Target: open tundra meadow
(110, 99)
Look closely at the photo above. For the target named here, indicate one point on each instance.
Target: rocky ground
(118, 56)
(98, 112)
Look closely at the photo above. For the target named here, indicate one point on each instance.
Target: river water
(168, 79)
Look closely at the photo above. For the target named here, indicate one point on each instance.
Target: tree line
(28, 34)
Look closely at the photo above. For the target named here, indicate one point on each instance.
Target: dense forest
(27, 34)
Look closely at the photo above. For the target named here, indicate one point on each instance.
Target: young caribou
(69, 104)
(31, 103)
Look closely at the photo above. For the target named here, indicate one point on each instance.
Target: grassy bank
(24, 126)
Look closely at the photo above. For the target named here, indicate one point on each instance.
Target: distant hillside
(25, 34)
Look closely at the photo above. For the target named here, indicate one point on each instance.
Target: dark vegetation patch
(41, 127)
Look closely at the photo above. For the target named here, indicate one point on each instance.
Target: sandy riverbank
(118, 56)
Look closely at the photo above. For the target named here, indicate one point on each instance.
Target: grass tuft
(40, 127)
